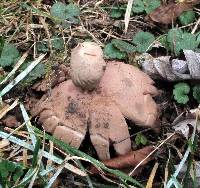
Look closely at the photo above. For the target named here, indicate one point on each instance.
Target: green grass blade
(184, 159)
(73, 151)
(45, 154)
(36, 152)
(28, 124)
(54, 177)
(21, 76)
(26, 178)
(19, 63)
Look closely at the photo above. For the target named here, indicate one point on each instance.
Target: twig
(131, 173)
(196, 26)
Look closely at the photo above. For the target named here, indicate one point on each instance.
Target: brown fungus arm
(107, 125)
(132, 91)
(64, 113)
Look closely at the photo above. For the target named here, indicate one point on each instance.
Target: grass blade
(19, 63)
(73, 151)
(173, 180)
(128, 14)
(28, 124)
(54, 177)
(7, 108)
(35, 153)
(45, 154)
(21, 76)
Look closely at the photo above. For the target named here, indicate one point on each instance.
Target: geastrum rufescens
(98, 98)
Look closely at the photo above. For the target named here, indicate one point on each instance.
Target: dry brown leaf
(171, 70)
(130, 159)
(167, 14)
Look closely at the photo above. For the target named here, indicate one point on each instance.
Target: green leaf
(143, 140)
(4, 173)
(143, 40)
(188, 42)
(137, 139)
(178, 40)
(150, 5)
(138, 6)
(196, 93)
(174, 36)
(140, 139)
(18, 172)
(59, 10)
(187, 17)
(123, 46)
(180, 92)
(72, 10)
(9, 55)
(42, 46)
(10, 169)
(64, 12)
(37, 72)
(10, 166)
(116, 12)
(57, 43)
(110, 52)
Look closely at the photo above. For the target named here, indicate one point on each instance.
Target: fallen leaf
(131, 159)
(167, 14)
(171, 70)
(183, 127)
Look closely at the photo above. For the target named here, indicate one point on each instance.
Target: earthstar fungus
(98, 98)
